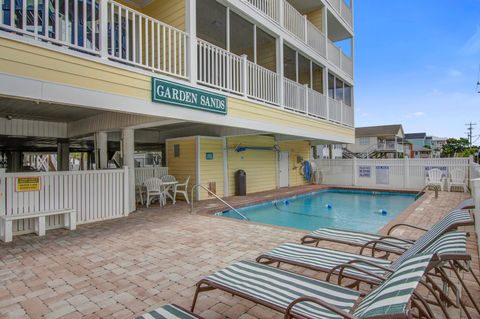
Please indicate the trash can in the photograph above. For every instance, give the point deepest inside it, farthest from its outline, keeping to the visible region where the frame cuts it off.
(240, 183)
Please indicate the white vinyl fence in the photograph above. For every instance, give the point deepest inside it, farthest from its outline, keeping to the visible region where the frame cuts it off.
(144, 173)
(406, 173)
(95, 195)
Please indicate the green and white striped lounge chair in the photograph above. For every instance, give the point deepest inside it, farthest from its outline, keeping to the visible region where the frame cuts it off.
(448, 248)
(388, 243)
(299, 296)
(169, 312)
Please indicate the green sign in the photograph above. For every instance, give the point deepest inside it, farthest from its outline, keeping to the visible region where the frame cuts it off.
(182, 95)
(209, 156)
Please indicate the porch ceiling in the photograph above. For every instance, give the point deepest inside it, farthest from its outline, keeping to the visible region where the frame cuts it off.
(336, 31)
(41, 111)
(305, 6)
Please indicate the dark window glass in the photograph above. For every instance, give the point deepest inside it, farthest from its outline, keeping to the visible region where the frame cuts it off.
(176, 150)
(290, 63)
(331, 86)
(303, 70)
(212, 22)
(317, 75)
(347, 95)
(266, 50)
(241, 36)
(338, 90)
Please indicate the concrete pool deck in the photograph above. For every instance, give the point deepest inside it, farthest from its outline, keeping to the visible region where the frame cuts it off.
(122, 268)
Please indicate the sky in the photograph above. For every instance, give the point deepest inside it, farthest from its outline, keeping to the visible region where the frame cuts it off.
(417, 64)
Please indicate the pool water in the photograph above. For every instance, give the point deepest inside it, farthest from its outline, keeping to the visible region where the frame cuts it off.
(346, 209)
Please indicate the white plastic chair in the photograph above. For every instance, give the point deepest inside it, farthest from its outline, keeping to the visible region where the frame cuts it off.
(169, 179)
(457, 178)
(155, 188)
(183, 190)
(434, 178)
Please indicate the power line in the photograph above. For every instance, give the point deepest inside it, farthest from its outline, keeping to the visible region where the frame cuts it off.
(470, 132)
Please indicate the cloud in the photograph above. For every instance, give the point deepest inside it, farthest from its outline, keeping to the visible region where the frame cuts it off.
(414, 114)
(472, 46)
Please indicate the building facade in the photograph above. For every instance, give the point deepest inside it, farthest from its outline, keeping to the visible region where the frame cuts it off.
(384, 141)
(213, 86)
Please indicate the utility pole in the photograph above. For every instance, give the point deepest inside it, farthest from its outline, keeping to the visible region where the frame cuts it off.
(470, 132)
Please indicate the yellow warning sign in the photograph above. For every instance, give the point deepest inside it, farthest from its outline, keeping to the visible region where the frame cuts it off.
(27, 184)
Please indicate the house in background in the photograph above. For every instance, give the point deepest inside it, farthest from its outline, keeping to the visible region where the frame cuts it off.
(385, 141)
(330, 151)
(437, 145)
(422, 144)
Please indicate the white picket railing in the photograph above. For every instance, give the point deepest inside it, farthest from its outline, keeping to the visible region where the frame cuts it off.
(409, 173)
(295, 96)
(346, 13)
(316, 38)
(347, 117)
(262, 84)
(94, 195)
(334, 110)
(144, 173)
(140, 40)
(220, 68)
(339, 58)
(317, 104)
(268, 7)
(70, 23)
(293, 20)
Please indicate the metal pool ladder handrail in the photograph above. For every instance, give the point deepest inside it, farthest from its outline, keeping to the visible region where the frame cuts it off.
(217, 197)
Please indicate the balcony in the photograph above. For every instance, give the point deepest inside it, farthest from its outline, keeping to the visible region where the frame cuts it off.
(228, 72)
(109, 31)
(341, 7)
(337, 57)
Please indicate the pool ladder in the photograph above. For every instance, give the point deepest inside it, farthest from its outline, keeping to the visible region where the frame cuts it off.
(217, 197)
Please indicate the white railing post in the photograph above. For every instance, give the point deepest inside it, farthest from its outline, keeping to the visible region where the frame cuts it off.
(126, 191)
(244, 75)
(305, 27)
(340, 103)
(191, 29)
(3, 197)
(104, 29)
(280, 12)
(406, 172)
(306, 98)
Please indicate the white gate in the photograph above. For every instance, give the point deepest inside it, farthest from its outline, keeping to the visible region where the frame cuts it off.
(95, 195)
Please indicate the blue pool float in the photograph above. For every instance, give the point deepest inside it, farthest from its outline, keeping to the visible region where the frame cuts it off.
(329, 206)
(383, 211)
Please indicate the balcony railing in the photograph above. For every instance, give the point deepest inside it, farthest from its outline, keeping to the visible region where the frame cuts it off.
(221, 69)
(292, 21)
(105, 28)
(118, 33)
(343, 9)
(337, 57)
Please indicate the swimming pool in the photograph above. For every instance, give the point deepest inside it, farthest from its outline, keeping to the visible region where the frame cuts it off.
(346, 209)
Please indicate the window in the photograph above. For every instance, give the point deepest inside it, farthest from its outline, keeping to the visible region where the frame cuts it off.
(317, 78)
(243, 44)
(303, 70)
(347, 95)
(331, 86)
(266, 50)
(176, 150)
(212, 22)
(290, 63)
(338, 89)
(364, 140)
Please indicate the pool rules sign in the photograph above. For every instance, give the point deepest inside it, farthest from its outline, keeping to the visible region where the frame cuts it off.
(186, 96)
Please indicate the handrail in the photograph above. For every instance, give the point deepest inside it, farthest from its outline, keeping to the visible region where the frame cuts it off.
(422, 191)
(217, 197)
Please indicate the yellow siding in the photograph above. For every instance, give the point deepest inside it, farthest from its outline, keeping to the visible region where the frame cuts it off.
(296, 149)
(211, 170)
(38, 63)
(260, 166)
(171, 12)
(316, 18)
(185, 165)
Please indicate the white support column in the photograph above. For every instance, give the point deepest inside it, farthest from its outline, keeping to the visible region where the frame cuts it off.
(225, 167)
(280, 71)
(244, 75)
(355, 171)
(128, 149)
(325, 29)
(306, 98)
(305, 26)
(281, 15)
(103, 29)
(191, 29)
(101, 145)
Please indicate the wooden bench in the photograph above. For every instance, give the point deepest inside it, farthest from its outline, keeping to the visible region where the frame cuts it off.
(6, 225)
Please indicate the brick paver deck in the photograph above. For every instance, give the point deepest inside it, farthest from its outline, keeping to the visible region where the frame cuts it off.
(122, 268)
